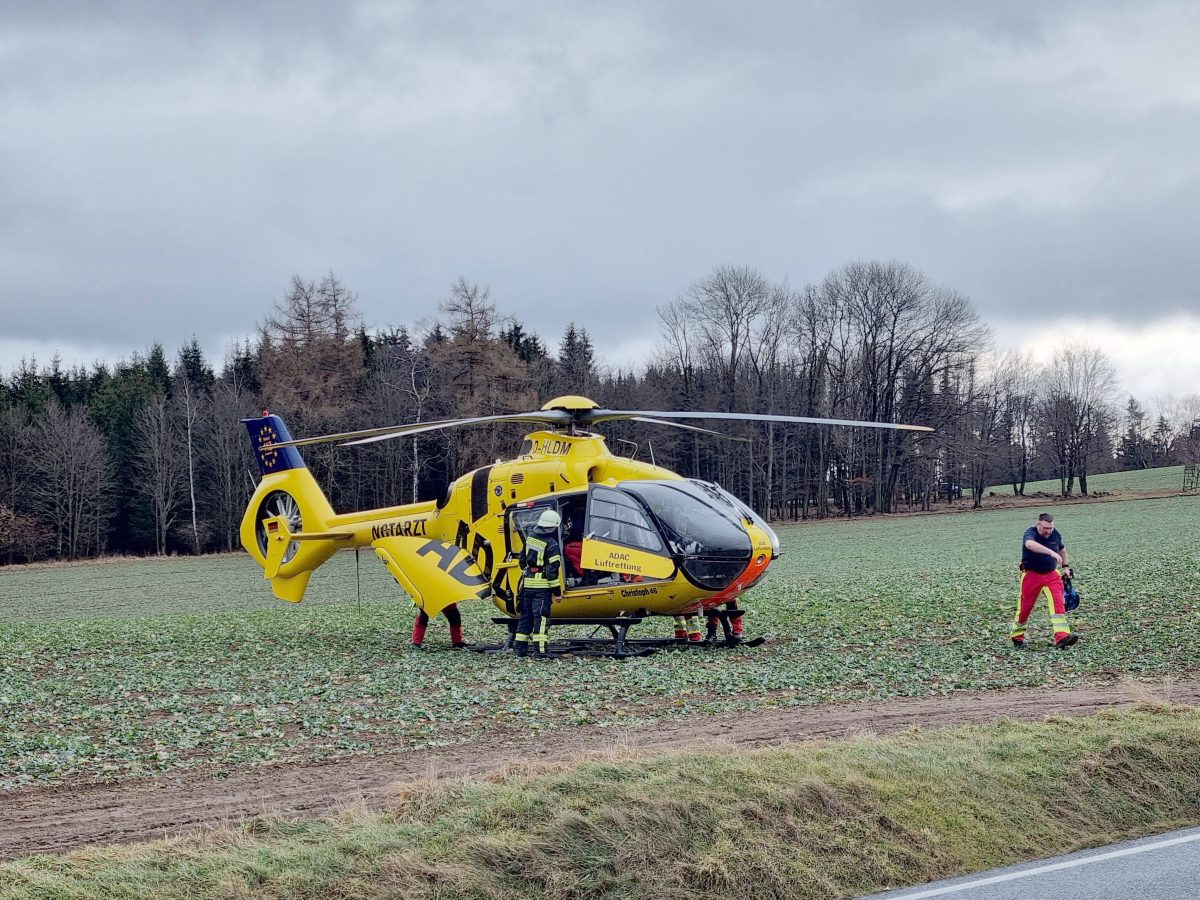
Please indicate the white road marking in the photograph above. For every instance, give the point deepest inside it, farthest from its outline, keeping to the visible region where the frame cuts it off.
(1054, 867)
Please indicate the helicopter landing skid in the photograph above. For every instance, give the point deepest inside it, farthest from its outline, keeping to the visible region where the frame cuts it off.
(725, 620)
(706, 644)
(617, 644)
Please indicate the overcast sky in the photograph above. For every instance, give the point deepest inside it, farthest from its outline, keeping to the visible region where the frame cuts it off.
(166, 168)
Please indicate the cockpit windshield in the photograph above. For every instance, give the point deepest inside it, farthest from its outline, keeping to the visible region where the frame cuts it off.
(695, 522)
(715, 490)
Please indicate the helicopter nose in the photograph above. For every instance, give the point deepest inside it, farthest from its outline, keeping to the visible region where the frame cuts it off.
(761, 555)
(757, 567)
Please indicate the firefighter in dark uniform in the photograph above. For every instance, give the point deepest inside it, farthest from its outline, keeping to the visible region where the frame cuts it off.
(541, 584)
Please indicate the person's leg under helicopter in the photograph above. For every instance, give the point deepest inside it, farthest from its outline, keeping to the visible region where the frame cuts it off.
(687, 628)
(453, 616)
(419, 626)
(735, 622)
(734, 630)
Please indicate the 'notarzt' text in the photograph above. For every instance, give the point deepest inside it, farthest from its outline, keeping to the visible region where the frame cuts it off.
(406, 528)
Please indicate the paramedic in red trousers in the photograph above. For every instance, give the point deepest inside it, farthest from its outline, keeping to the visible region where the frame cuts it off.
(1042, 552)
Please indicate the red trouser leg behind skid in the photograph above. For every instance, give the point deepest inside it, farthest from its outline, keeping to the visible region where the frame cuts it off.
(735, 622)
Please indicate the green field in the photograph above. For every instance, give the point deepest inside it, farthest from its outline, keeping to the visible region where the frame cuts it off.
(119, 668)
(1166, 478)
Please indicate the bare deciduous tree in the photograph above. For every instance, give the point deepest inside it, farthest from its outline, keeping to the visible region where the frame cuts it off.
(1018, 376)
(160, 466)
(228, 460)
(307, 353)
(1077, 410)
(192, 403)
(71, 481)
(724, 307)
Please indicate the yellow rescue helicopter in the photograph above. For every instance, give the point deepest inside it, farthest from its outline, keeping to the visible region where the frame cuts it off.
(639, 539)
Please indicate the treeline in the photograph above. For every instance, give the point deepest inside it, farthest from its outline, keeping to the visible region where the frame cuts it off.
(149, 456)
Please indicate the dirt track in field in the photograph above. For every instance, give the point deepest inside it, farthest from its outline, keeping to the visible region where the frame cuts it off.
(68, 817)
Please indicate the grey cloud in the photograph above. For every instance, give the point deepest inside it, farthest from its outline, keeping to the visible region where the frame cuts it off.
(171, 165)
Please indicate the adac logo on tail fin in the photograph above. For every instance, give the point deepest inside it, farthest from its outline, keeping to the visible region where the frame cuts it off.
(266, 431)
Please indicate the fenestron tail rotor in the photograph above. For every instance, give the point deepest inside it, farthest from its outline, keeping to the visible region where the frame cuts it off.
(573, 412)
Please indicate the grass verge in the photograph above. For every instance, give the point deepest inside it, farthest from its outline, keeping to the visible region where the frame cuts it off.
(822, 820)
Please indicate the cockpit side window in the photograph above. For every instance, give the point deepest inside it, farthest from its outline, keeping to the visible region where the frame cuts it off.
(695, 523)
(616, 517)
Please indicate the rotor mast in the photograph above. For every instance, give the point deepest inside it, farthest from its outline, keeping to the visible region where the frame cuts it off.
(573, 404)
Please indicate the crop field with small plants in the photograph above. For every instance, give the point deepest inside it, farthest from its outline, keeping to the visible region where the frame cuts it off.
(119, 668)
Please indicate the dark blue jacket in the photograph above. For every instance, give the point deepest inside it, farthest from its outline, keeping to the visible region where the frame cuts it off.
(1033, 561)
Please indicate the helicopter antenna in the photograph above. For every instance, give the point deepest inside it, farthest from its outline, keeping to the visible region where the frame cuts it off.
(635, 448)
(650, 444)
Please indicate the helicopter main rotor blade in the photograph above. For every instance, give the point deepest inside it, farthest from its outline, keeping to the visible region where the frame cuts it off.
(610, 415)
(349, 435)
(720, 434)
(566, 418)
(549, 417)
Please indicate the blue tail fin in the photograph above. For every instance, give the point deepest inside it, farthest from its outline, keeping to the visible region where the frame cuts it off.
(266, 430)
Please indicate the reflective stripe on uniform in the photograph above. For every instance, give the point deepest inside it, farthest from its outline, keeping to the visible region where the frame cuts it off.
(1059, 622)
(536, 567)
(1018, 627)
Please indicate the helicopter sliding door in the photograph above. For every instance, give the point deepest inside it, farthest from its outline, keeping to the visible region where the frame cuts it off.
(519, 522)
(620, 538)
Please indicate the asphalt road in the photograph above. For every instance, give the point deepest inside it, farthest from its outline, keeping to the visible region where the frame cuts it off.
(1163, 867)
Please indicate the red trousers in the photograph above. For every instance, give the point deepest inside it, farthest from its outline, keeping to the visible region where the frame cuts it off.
(1033, 586)
(453, 616)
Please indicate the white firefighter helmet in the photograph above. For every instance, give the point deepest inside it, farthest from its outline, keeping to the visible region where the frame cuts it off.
(549, 519)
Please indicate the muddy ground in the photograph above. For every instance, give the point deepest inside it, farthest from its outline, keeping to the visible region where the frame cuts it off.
(66, 817)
